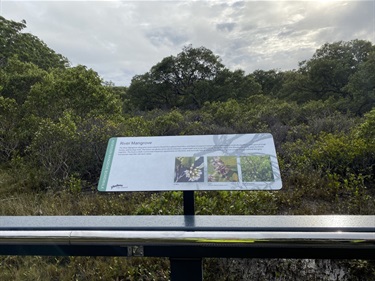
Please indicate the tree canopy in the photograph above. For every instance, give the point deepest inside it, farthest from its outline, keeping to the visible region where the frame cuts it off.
(26, 47)
(327, 73)
(188, 80)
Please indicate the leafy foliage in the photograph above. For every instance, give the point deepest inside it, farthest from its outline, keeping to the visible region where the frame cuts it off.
(27, 47)
(256, 168)
(361, 86)
(18, 77)
(8, 128)
(188, 80)
(77, 89)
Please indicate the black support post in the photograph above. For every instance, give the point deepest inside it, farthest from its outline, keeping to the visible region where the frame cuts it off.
(189, 203)
(186, 269)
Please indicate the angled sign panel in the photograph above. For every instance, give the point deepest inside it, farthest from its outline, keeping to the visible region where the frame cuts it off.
(208, 162)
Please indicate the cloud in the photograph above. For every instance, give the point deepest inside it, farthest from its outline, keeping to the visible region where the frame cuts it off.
(120, 39)
(166, 36)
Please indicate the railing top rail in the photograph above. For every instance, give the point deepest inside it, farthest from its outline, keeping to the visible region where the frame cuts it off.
(320, 223)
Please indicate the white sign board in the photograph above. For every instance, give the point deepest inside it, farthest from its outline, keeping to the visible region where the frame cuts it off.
(208, 162)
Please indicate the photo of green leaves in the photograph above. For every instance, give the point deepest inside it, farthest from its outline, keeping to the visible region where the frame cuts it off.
(256, 168)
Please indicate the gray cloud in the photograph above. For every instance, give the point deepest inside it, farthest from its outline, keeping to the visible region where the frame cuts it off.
(120, 39)
(227, 26)
(166, 36)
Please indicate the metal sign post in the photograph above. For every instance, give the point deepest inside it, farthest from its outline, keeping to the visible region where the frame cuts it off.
(187, 269)
(189, 209)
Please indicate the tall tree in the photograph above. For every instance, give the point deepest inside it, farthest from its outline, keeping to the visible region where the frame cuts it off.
(361, 86)
(270, 81)
(77, 89)
(146, 94)
(234, 85)
(17, 78)
(331, 66)
(27, 47)
(184, 80)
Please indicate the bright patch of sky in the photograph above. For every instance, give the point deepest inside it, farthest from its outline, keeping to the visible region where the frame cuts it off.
(120, 39)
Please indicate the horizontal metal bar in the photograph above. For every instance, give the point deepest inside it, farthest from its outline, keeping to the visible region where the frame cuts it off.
(35, 237)
(332, 236)
(325, 223)
(118, 238)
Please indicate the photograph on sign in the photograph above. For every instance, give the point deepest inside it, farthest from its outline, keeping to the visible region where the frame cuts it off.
(207, 162)
(222, 169)
(189, 169)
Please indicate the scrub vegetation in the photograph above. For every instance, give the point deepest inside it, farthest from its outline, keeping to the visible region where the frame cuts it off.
(55, 121)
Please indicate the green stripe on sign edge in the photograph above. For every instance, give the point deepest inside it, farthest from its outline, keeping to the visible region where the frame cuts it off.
(104, 175)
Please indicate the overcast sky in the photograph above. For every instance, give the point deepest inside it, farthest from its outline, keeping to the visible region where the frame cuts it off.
(120, 39)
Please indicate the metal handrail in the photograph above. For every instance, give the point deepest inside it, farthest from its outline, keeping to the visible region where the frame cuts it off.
(118, 238)
(332, 236)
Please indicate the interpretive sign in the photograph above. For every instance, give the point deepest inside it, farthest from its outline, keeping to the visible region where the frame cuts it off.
(208, 162)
